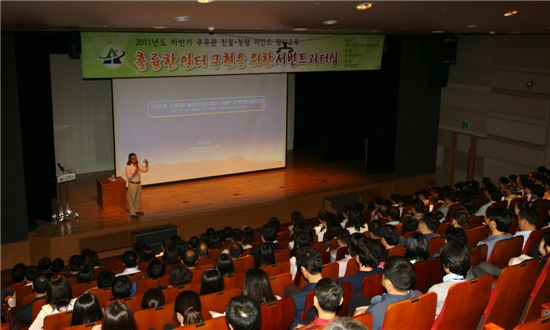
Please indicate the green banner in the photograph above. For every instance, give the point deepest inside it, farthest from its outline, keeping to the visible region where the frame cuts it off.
(121, 55)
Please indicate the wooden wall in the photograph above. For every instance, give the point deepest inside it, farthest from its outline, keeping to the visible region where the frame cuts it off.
(488, 87)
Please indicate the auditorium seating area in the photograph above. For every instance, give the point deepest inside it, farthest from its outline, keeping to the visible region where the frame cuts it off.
(516, 297)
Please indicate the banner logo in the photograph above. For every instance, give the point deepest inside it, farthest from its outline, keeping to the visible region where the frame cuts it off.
(113, 56)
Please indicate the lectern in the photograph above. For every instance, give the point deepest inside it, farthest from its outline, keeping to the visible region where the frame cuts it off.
(111, 193)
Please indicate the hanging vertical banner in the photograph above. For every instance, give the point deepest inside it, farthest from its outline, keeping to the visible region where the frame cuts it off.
(120, 55)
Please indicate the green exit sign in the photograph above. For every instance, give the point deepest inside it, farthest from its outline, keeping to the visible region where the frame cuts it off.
(465, 125)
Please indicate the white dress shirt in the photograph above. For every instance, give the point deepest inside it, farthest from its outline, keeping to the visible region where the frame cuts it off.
(442, 289)
(132, 173)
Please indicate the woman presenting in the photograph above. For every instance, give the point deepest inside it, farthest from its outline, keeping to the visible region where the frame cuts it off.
(133, 175)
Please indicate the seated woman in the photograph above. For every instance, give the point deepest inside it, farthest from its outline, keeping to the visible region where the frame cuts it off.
(117, 316)
(266, 256)
(155, 269)
(224, 263)
(417, 248)
(59, 300)
(86, 275)
(257, 287)
(187, 309)
(152, 298)
(86, 310)
(211, 281)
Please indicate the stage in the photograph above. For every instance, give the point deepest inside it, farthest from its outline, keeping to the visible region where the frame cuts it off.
(307, 184)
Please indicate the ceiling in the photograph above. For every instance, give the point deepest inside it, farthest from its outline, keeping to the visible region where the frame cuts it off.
(387, 17)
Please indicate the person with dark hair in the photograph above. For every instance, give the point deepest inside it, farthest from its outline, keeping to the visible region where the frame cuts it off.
(345, 323)
(243, 313)
(417, 210)
(190, 258)
(155, 269)
(118, 316)
(90, 258)
(497, 220)
(390, 237)
(455, 260)
(428, 225)
(398, 279)
(86, 275)
(321, 228)
(356, 222)
(179, 276)
(235, 250)
(211, 281)
(86, 310)
(122, 287)
(75, 265)
(18, 277)
(57, 266)
(147, 255)
(194, 242)
(375, 229)
(264, 256)
(409, 224)
(301, 239)
(18, 273)
(105, 279)
(152, 298)
(527, 223)
(257, 286)
(417, 248)
(448, 197)
(368, 254)
(328, 297)
(39, 287)
(59, 299)
(224, 263)
(203, 250)
(460, 218)
(493, 195)
(44, 264)
(170, 255)
(133, 176)
(129, 260)
(456, 235)
(139, 246)
(268, 236)
(275, 223)
(310, 263)
(187, 309)
(214, 241)
(343, 240)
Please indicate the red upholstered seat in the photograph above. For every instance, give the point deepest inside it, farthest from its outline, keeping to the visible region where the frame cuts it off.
(504, 250)
(233, 281)
(464, 304)
(478, 254)
(397, 251)
(155, 318)
(330, 270)
(351, 267)
(217, 301)
(539, 296)
(57, 321)
(151, 283)
(372, 286)
(510, 294)
(242, 264)
(434, 245)
(417, 313)
(365, 318)
(279, 283)
(278, 315)
(533, 242)
(197, 272)
(171, 293)
(278, 268)
(212, 324)
(475, 235)
(282, 255)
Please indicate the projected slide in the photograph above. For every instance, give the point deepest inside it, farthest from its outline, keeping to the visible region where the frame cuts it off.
(196, 127)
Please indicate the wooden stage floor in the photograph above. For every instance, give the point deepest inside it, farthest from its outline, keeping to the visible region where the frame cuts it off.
(192, 206)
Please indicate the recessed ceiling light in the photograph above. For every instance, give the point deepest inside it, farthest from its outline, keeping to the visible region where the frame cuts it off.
(471, 26)
(510, 13)
(211, 28)
(492, 32)
(182, 18)
(438, 31)
(159, 27)
(364, 6)
(299, 29)
(205, 1)
(330, 22)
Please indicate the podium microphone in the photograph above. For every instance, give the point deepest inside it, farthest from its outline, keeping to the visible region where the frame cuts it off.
(61, 167)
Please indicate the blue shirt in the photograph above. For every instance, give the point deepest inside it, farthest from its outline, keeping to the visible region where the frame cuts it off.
(300, 301)
(490, 242)
(357, 279)
(379, 304)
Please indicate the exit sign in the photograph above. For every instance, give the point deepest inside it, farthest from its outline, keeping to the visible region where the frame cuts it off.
(465, 125)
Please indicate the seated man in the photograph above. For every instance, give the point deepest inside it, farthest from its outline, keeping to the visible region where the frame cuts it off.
(494, 195)
(75, 265)
(498, 220)
(309, 262)
(343, 239)
(129, 260)
(39, 286)
(367, 254)
(243, 313)
(398, 279)
(190, 258)
(428, 225)
(328, 297)
(455, 260)
(527, 222)
(268, 236)
(122, 287)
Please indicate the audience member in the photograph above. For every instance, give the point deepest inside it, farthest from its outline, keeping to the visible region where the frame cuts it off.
(86, 275)
(428, 225)
(105, 279)
(328, 298)
(417, 248)
(122, 287)
(187, 309)
(179, 276)
(243, 313)
(211, 281)
(456, 235)
(129, 260)
(59, 299)
(155, 269)
(39, 287)
(345, 323)
(257, 286)
(118, 316)
(86, 310)
(498, 220)
(190, 258)
(224, 263)
(367, 254)
(527, 222)
(152, 298)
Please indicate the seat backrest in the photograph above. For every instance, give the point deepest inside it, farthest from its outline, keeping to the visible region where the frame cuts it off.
(442, 228)
(451, 211)
(88, 326)
(542, 323)
(410, 233)
(422, 282)
(504, 250)
(80, 288)
(171, 293)
(347, 292)
(133, 302)
(212, 324)
(417, 313)
(476, 221)
(435, 244)
(365, 318)
(283, 235)
(155, 318)
(242, 264)
(276, 269)
(351, 267)
(282, 255)
(58, 321)
(475, 235)
(341, 253)
(330, 270)
(218, 301)
(102, 295)
(279, 283)
(478, 254)
(151, 283)
(205, 261)
(435, 272)
(397, 251)
(510, 294)
(37, 306)
(539, 295)
(308, 304)
(278, 315)
(197, 272)
(464, 304)
(235, 280)
(372, 286)
(533, 242)
(20, 292)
